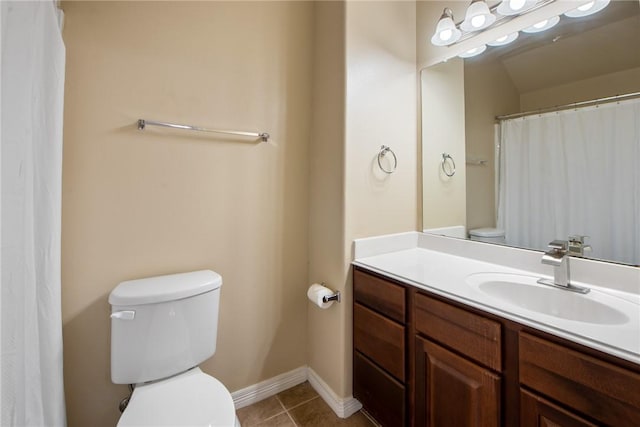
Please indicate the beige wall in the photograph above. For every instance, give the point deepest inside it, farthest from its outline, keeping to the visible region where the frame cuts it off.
(270, 217)
(326, 353)
(441, 114)
(489, 92)
(381, 108)
(443, 131)
(138, 204)
(364, 97)
(618, 83)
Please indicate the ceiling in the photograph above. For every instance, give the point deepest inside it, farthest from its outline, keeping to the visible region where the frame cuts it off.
(575, 49)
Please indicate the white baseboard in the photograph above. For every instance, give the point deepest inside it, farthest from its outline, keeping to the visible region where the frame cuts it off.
(343, 408)
(257, 392)
(267, 388)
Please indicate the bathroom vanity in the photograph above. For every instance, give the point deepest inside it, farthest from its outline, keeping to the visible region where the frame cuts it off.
(431, 349)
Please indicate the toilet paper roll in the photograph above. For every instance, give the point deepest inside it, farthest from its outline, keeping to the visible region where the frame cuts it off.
(315, 294)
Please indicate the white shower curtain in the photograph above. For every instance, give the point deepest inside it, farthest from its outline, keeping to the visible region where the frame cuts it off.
(33, 60)
(573, 172)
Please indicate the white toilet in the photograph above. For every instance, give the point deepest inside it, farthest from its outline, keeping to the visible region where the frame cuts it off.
(162, 328)
(489, 235)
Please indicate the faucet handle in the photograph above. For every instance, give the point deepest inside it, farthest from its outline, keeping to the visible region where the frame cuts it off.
(559, 245)
(577, 238)
(577, 246)
(556, 253)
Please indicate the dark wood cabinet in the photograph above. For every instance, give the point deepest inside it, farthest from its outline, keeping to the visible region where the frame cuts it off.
(381, 295)
(536, 411)
(591, 386)
(380, 348)
(453, 391)
(424, 360)
(458, 360)
(382, 396)
(477, 337)
(381, 339)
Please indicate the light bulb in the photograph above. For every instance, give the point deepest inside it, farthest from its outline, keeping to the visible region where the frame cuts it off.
(445, 35)
(586, 7)
(541, 24)
(501, 41)
(515, 7)
(446, 32)
(478, 21)
(516, 4)
(478, 17)
(473, 52)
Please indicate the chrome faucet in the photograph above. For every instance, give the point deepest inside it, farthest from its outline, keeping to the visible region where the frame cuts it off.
(558, 257)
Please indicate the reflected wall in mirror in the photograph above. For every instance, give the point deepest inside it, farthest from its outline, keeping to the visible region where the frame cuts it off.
(551, 174)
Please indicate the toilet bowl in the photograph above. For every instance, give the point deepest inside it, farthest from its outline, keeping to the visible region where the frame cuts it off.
(162, 328)
(192, 398)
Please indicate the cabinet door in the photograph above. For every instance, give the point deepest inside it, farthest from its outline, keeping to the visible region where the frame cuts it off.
(538, 412)
(452, 391)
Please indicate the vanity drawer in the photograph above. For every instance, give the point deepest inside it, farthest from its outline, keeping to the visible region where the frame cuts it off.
(536, 412)
(601, 390)
(470, 334)
(380, 339)
(380, 394)
(380, 295)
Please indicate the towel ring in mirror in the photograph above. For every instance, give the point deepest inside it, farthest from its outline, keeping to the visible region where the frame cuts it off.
(383, 152)
(447, 159)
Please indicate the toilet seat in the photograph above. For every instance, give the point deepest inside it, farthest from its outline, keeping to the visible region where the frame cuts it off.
(192, 398)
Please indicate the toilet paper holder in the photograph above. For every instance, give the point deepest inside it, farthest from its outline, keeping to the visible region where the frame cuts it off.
(334, 297)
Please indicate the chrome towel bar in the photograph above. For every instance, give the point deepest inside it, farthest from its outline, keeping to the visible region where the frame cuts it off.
(142, 124)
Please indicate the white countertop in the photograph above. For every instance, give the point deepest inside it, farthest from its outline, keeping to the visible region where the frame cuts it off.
(445, 274)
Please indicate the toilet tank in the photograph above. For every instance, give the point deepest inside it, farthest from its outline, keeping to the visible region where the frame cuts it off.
(164, 325)
(490, 235)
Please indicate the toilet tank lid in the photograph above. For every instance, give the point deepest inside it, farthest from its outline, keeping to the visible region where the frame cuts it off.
(487, 232)
(152, 290)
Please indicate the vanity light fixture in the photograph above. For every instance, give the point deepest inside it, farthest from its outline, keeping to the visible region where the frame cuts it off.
(504, 40)
(446, 31)
(473, 52)
(542, 25)
(587, 9)
(478, 17)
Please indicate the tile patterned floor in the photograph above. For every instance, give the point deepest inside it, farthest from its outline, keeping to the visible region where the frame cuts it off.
(299, 406)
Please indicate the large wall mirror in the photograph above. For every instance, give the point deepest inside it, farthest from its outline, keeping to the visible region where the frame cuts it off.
(534, 156)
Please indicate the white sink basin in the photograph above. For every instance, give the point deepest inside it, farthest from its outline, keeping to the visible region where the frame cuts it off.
(523, 292)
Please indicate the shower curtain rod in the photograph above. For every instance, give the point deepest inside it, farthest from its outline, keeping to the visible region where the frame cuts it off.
(570, 106)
